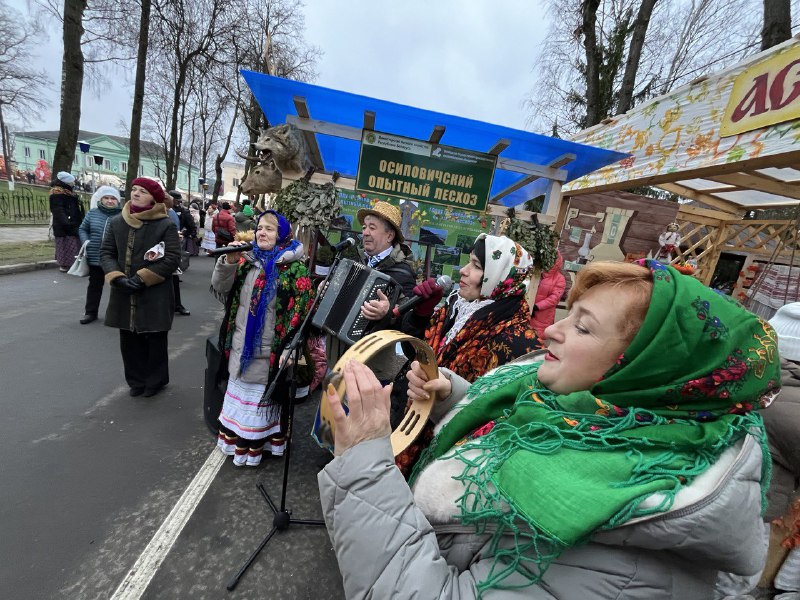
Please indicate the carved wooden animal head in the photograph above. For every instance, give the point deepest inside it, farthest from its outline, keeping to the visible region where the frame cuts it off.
(286, 145)
(262, 179)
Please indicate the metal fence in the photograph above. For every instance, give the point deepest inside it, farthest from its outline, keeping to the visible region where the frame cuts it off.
(24, 206)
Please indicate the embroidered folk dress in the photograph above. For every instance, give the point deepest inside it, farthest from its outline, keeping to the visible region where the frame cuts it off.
(241, 412)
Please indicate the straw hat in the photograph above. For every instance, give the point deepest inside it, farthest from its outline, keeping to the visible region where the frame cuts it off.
(786, 324)
(387, 212)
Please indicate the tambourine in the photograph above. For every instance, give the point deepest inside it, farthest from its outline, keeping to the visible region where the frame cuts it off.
(385, 352)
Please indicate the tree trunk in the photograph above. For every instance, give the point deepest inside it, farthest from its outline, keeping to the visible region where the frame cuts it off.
(173, 150)
(221, 156)
(71, 86)
(777, 23)
(138, 97)
(593, 60)
(6, 149)
(634, 55)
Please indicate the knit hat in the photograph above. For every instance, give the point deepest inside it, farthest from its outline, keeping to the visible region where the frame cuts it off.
(786, 324)
(65, 177)
(152, 186)
(103, 190)
(387, 212)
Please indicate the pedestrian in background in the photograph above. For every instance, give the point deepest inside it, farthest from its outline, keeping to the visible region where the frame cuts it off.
(105, 204)
(782, 421)
(244, 217)
(209, 242)
(67, 217)
(186, 231)
(140, 252)
(224, 226)
(548, 295)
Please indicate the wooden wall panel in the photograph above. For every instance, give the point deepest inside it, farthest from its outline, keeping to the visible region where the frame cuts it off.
(640, 236)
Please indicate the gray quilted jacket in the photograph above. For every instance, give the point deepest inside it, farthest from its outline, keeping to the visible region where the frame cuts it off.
(392, 543)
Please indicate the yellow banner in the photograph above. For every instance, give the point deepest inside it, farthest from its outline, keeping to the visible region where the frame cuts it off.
(765, 94)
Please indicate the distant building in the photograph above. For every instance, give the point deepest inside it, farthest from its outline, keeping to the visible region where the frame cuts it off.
(33, 151)
(232, 175)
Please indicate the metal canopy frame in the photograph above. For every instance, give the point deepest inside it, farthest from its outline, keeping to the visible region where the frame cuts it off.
(343, 117)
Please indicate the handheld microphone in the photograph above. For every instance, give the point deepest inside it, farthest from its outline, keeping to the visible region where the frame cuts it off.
(229, 249)
(443, 281)
(344, 244)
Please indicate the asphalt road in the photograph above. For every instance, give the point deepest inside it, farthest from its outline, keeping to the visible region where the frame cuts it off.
(89, 474)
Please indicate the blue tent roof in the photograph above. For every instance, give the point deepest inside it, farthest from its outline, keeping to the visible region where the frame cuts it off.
(276, 96)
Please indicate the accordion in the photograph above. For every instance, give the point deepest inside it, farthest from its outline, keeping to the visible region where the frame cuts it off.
(339, 309)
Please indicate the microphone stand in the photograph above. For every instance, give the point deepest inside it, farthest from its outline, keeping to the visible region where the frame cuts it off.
(282, 517)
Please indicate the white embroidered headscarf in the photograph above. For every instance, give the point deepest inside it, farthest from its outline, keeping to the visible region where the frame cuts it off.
(502, 254)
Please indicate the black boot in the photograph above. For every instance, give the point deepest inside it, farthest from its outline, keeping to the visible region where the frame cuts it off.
(88, 318)
(182, 310)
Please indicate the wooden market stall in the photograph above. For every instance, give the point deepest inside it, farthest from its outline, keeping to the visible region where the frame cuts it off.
(729, 144)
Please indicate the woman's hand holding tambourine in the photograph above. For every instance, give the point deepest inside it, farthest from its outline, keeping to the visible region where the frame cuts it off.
(368, 403)
(419, 387)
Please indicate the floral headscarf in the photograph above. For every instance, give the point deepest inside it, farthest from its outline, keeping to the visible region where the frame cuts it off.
(687, 388)
(502, 255)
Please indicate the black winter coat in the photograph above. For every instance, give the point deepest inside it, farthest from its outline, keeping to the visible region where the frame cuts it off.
(122, 254)
(67, 211)
(188, 227)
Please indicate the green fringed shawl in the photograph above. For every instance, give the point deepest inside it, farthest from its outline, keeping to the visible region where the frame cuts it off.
(553, 469)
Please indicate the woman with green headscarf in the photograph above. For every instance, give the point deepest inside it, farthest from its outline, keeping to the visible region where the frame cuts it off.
(625, 464)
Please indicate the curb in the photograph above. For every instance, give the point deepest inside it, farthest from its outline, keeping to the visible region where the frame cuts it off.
(25, 267)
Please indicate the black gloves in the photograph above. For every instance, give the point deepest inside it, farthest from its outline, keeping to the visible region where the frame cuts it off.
(128, 285)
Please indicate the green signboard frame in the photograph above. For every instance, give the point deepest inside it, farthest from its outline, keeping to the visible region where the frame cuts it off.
(402, 167)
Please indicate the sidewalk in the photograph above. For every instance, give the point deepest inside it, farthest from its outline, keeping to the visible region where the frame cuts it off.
(24, 234)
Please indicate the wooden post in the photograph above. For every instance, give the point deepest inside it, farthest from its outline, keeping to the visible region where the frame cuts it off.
(552, 198)
(715, 253)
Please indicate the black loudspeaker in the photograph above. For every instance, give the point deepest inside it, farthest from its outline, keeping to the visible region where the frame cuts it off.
(216, 381)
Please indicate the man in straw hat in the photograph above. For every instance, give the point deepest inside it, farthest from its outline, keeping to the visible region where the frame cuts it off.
(384, 251)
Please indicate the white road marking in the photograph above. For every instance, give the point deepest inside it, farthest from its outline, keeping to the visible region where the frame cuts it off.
(138, 578)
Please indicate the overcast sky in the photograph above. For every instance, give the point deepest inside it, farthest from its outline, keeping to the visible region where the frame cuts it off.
(471, 59)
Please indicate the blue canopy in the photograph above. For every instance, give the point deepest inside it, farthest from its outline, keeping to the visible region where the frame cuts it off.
(276, 97)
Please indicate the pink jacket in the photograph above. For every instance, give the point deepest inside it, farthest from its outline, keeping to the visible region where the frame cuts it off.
(551, 288)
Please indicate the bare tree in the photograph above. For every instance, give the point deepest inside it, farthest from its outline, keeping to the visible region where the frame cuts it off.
(71, 86)
(134, 147)
(679, 41)
(272, 41)
(19, 87)
(187, 32)
(777, 23)
(634, 55)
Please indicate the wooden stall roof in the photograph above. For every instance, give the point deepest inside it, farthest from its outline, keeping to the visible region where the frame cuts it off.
(675, 144)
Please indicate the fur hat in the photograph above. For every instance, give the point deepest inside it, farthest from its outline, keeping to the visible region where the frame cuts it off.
(388, 212)
(786, 324)
(152, 186)
(65, 177)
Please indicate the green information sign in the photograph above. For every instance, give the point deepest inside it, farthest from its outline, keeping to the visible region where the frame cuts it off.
(450, 232)
(406, 168)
